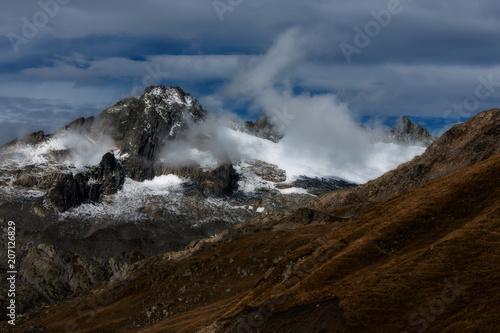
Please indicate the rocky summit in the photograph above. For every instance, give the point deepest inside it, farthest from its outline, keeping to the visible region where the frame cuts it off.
(408, 132)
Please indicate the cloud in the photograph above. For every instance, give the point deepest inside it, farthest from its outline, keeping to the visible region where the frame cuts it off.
(427, 59)
(206, 144)
(164, 67)
(84, 151)
(321, 137)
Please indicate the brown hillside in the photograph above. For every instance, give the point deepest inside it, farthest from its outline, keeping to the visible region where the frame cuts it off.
(463, 145)
(388, 270)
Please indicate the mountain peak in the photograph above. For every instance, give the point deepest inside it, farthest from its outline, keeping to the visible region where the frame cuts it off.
(405, 124)
(144, 125)
(408, 132)
(169, 95)
(405, 120)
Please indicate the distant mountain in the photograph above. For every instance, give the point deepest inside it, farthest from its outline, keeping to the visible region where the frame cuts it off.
(407, 132)
(463, 145)
(414, 250)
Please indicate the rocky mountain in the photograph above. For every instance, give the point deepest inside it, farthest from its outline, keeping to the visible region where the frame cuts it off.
(146, 176)
(143, 126)
(104, 192)
(414, 250)
(407, 132)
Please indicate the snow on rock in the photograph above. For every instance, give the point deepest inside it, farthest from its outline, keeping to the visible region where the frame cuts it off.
(171, 95)
(131, 198)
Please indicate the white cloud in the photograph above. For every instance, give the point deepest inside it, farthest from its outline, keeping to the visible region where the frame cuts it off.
(321, 138)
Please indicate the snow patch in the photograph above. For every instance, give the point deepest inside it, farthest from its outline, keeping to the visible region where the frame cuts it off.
(161, 183)
(291, 190)
(131, 198)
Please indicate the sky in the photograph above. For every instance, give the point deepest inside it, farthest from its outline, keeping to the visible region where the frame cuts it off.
(435, 62)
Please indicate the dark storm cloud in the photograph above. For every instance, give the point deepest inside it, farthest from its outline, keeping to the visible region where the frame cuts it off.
(424, 59)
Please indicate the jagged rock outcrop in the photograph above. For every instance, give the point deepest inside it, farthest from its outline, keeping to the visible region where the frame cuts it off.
(109, 173)
(30, 139)
(71, 191)
(267, 171)
(222, 181)
(407, 132)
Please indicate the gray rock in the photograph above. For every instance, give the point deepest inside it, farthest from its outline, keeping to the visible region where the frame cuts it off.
(71, 191)
(264, 128)
(407, 132)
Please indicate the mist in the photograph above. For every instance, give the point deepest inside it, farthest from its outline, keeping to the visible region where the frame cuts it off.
(77, 150)
(205, 144)
(85, 150)
(321, 138)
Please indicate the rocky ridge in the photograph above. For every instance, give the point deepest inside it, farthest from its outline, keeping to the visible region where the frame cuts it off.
(463, 145)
